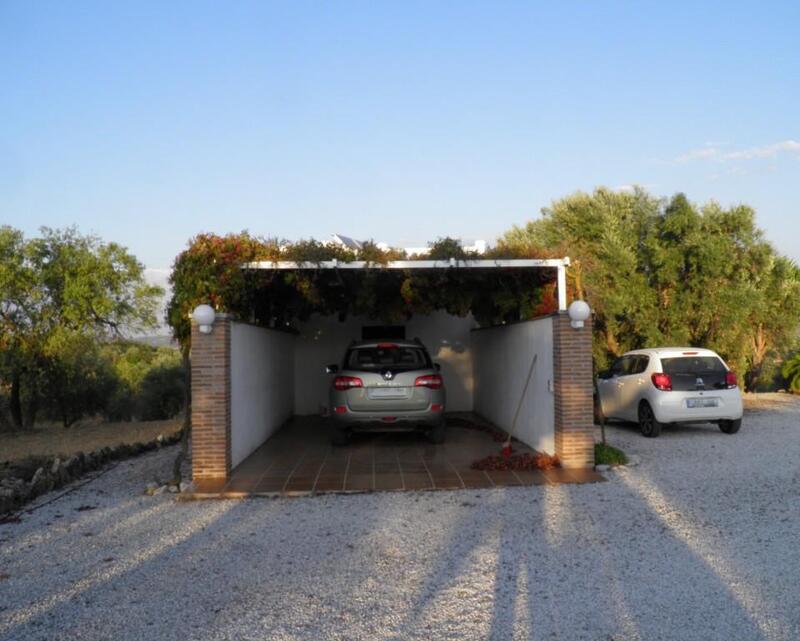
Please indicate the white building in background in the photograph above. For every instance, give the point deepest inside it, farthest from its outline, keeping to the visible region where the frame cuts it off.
(477, 247)
(346, 242)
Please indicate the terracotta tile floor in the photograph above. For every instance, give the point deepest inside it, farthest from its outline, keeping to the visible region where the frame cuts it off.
(299, 460)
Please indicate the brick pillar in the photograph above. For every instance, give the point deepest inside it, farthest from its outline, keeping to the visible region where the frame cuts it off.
(211, 400)
(573, 386)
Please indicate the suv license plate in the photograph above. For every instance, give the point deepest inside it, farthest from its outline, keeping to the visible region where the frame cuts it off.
(386, 392)
(702, 402)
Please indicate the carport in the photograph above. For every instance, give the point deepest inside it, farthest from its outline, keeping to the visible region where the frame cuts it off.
(254, 385)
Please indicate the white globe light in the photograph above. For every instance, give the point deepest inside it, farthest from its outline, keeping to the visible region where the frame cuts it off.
(204, 316)
(579, 312)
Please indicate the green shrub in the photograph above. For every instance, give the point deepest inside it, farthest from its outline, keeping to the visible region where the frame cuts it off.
(161, 394)
(77, 383)
(121, 405)
(133, 361)
(150, 382)
(791, 373)
(607, 455)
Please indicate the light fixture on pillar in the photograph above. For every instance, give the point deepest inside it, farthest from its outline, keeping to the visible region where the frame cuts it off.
(204, 316)
(578, 313)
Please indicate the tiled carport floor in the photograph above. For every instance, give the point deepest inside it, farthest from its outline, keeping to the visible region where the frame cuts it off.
(299, 460)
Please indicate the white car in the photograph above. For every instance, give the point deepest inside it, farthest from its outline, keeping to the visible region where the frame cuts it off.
(655, 387)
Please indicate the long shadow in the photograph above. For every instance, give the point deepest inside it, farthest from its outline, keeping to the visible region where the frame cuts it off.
(693, 430)
(215, 553)
(694, 527)
(290, 569)
(352, 593)
(652, 596)
(57, 605)
(69, 517)
(542, 546)
(512, 561)
(450, 561)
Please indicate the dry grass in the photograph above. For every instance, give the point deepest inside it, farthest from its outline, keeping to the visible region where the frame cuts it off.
(770, 401)
(53, 439)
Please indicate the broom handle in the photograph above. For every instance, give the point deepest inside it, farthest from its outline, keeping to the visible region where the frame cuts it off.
(522, 398)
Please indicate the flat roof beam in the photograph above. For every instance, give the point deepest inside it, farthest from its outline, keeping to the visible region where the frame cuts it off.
(413, 264)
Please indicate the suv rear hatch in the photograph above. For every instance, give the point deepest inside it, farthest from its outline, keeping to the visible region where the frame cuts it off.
(389, 374)
(695, 373)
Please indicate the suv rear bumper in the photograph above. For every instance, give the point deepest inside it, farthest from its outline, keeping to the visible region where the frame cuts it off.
(390, 420)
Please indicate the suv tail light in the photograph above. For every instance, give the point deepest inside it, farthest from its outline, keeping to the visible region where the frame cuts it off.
(344, 383)
(730, 380)
(432, 381)
(662, 381)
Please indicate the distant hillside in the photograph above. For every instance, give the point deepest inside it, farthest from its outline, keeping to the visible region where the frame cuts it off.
(156, 341)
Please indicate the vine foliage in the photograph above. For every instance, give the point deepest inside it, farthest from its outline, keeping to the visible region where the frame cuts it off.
(211, 270)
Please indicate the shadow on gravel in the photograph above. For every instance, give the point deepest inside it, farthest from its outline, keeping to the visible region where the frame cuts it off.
(633, 564)
(106, 577)
(691, 430)
(563, 571)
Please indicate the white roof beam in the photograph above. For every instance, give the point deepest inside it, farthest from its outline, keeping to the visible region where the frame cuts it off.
(414, 264)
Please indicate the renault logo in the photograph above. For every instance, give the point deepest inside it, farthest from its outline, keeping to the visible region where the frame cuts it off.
(388, 375)
(699, 382)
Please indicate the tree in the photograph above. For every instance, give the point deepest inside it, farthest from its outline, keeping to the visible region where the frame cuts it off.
(132, 364)
(602, 233)
(772, 325)
(791, 372)
(57, 290)
(79, 381)
(18, 302)
(660, 272)
(161, 394)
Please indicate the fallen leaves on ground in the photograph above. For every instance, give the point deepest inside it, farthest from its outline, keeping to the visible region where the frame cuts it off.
(517, 462)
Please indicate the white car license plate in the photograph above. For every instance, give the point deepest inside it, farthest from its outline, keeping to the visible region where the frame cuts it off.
(702, 402)
(387, 392)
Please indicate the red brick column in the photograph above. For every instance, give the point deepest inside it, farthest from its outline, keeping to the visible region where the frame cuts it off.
(573, 386)
(211, 400)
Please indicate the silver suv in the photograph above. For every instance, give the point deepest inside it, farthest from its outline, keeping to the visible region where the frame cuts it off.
(387, 385)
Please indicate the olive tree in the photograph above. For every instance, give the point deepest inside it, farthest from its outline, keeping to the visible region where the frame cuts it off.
(58, 290)
(669, 272)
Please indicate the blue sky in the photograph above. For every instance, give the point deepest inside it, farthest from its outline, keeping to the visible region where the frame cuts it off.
(147, 123)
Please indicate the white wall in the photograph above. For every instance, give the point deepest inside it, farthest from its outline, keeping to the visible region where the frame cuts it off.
(502, 358)
(262, 386)
(324, 339)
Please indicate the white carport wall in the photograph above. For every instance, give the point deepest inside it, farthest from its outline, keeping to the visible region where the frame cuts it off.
(242, 392)
(262, 386)
(502, 359)
(247, 380)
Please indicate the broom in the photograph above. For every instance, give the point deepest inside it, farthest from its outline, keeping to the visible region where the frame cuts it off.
(507, 449)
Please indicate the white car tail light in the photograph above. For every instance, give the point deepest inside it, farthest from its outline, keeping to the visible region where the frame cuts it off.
(662, 381)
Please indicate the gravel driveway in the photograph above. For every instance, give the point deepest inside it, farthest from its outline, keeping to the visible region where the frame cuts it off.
(701, 541)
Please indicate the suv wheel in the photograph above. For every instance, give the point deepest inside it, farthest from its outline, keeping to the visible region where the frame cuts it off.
(648, 424)
(340, 436)
(730, 427)
(436, 433)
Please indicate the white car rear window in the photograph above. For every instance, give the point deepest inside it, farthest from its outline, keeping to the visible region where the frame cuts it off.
(694, 365)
